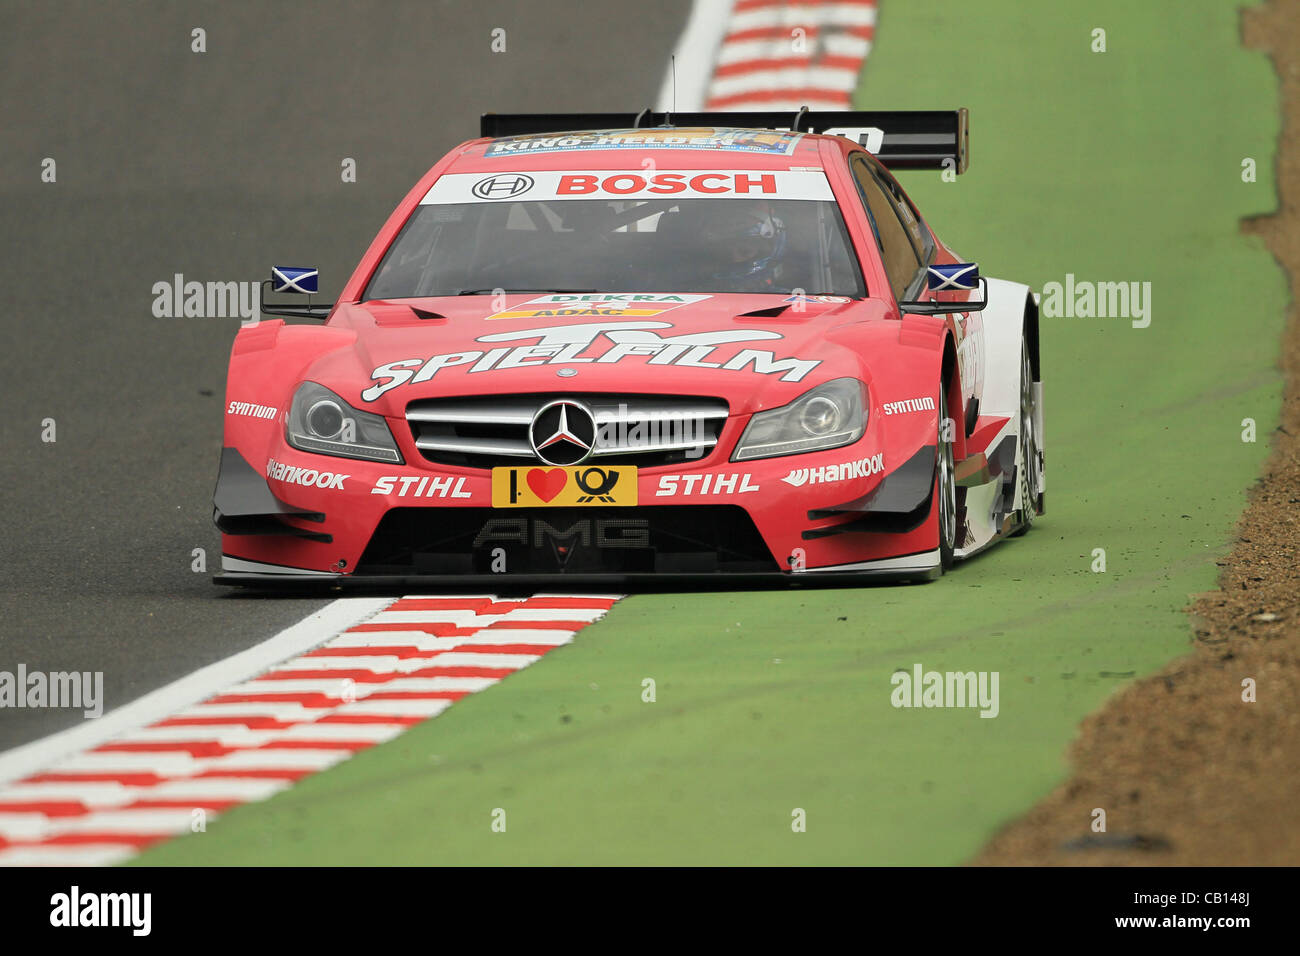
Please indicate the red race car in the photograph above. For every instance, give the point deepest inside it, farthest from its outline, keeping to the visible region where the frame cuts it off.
(618, 347)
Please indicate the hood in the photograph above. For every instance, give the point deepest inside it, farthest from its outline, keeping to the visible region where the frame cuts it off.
(755, 351)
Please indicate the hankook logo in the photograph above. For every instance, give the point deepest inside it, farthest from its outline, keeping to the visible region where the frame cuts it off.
(502, 186)
(563, 432)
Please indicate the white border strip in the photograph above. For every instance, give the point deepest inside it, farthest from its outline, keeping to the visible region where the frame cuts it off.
(912, 562)
(696, 52)
(328, 622)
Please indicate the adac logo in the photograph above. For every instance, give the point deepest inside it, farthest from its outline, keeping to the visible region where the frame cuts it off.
(502, 186)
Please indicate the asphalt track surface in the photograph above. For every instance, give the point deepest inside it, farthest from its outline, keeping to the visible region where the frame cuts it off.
(214, 165)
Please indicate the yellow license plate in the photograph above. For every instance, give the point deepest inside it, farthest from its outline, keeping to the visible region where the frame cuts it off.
(542, 486)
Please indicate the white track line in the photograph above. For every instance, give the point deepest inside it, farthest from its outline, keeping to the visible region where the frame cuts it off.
(335, 617)
(696, 51)
(251, 726)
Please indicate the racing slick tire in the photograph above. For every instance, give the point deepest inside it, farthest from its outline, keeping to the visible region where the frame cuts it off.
(1026, 448)
(946, 485)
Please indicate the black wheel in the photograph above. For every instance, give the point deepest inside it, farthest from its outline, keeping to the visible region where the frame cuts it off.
(946, 489)
(1027, 457)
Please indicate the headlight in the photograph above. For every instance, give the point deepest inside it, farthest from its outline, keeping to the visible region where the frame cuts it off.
(321, 422)
(828, 416)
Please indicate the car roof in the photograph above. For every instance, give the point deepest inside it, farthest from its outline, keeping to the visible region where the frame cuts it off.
(669, 146)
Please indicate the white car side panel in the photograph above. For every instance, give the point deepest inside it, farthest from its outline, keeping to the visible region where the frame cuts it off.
(1004, 326)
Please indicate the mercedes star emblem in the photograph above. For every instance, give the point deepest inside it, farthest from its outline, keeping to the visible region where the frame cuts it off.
(563, 432)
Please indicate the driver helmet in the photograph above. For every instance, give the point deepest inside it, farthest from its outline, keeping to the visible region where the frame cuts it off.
(742, 241)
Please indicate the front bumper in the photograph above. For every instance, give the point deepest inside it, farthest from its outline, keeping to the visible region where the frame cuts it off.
(851, 513)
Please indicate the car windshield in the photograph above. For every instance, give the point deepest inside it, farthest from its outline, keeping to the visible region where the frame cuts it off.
(611, 245)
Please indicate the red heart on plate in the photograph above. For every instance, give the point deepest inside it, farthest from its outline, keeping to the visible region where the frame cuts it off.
(547, 483)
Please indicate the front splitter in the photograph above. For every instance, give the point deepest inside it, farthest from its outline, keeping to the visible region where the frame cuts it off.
(496, 583)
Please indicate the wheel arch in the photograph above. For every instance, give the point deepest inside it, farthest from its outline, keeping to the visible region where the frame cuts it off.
(950, 381)
(1031, 336)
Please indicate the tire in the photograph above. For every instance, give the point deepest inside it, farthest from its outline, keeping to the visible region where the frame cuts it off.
(1027, 448)
(946, 486)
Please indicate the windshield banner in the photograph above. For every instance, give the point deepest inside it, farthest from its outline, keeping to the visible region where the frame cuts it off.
(771, 142)
(548, 185)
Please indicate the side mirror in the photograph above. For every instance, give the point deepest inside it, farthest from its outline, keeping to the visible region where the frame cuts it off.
(957, 277)
(295, 280)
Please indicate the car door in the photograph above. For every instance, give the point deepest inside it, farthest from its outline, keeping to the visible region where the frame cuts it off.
(902, 260)
(908, 248)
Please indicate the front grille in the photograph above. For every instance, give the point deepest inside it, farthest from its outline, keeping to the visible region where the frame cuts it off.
(662, 539)
(489, 431)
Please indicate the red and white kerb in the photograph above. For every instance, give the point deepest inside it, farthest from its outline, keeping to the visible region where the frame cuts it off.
(406, 663)
(784, 54)
(740, 55)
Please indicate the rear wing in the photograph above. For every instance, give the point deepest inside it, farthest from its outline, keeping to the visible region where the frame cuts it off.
(901, 139)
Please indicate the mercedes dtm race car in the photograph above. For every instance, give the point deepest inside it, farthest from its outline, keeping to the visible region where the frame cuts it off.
(612, 346)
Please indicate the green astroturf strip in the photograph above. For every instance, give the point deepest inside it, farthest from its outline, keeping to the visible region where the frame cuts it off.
(1116, 166)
